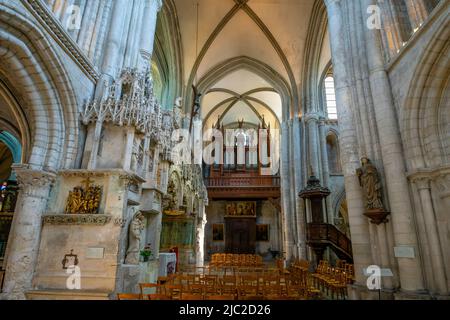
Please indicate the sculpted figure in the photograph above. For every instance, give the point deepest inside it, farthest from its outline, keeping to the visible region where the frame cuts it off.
(134, 238)
(371, 184)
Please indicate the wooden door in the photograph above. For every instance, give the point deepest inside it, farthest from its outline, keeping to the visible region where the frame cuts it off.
(240, 235)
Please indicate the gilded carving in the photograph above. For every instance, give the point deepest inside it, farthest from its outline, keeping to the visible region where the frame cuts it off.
(84, 200)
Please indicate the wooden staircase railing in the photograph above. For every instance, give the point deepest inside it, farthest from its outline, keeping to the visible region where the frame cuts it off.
(322, 235)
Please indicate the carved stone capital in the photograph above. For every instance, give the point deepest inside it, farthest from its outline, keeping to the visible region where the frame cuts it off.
(440, 176)
(311, 116)
(34, 183)
(443, 185)
(422, 183)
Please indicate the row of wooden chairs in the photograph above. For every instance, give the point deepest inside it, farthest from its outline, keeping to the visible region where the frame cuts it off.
(229, 259)
(261, 286)
(253, 283)
(333, 280)
(299, 273)
(193, 297)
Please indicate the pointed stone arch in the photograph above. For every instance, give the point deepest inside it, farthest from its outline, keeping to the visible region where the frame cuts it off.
(255, 66)
(246, 98)
(32, 73)
(426, 142)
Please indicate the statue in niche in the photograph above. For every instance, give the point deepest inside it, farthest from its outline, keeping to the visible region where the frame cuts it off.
(134, 238)
(370, 182)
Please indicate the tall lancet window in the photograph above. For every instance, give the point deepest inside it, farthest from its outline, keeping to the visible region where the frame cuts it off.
(330, 97)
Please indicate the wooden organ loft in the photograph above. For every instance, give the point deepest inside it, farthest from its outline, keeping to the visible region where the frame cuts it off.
(242, 171)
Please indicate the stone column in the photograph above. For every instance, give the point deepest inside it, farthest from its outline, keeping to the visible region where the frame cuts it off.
(92, 164)
(384, 254)
(133, 41)
(292, 182)
(113, 42)
(23, 243)
(411, 275)
(417, 12)
(285, 193)
(83, 34)
(297, 142)
(200, 235)
(312, 120)
(129, 148)
(146, 163)
(325, 167)
(348, 142)
(148, 31)
(391, 33)
(437, 261)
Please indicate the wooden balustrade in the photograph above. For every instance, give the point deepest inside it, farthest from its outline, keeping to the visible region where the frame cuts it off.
(255, 181)
(243, 186)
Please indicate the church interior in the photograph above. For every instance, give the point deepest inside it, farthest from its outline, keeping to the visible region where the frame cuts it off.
(224, 150)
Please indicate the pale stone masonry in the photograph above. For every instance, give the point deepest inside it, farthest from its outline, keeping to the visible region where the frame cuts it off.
(86, 89)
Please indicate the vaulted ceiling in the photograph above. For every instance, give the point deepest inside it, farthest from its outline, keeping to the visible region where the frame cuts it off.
(271, 34)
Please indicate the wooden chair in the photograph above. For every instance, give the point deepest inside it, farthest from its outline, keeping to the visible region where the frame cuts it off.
(249, 280)
(195, 289)
(248, 293)
(269, 280)
(272, 291)
(162, 280)
(228, 297)
(209, 279)
(158, 297)
(296, 292)
(191, 297)
(128, 296)
(174, 291)
(228, 285)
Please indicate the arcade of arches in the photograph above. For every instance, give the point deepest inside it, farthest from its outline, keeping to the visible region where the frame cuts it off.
(134, 134)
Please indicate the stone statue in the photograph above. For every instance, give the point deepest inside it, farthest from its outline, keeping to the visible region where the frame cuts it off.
(134, 238)
(371, 184)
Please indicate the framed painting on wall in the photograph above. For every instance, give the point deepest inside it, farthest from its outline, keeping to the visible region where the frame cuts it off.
(262, 232)
(218, 232)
